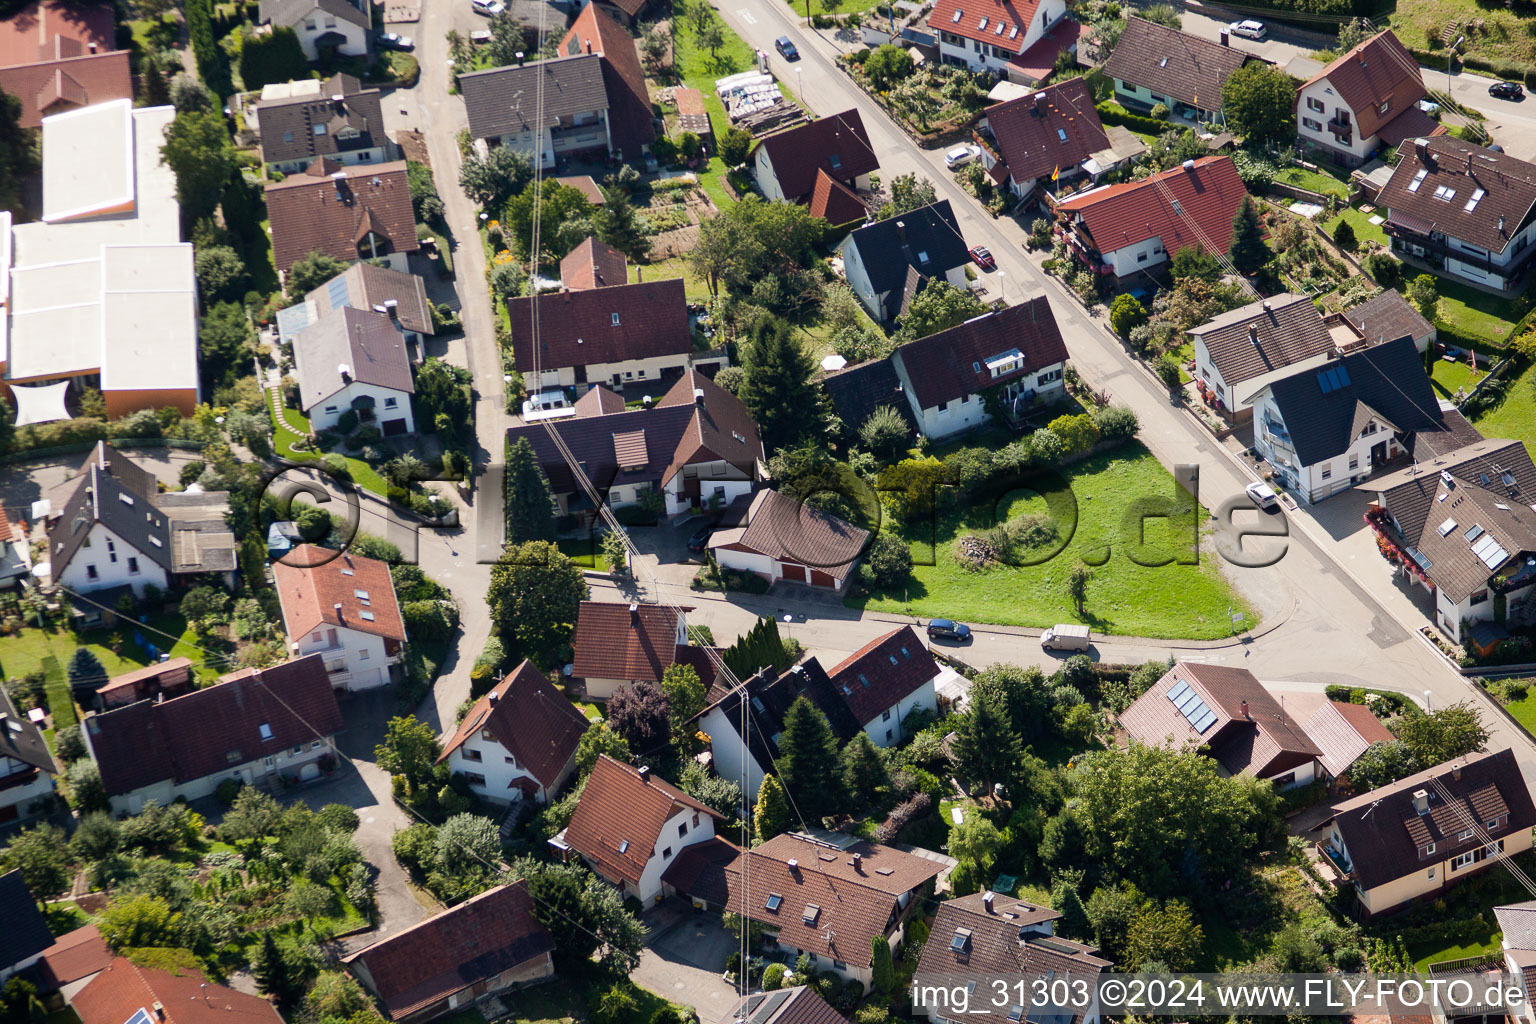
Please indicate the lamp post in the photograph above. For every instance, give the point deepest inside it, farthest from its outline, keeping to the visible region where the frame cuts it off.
(1450, 58)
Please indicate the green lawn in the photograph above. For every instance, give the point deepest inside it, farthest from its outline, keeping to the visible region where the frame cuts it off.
(1365, 231)
(1515, 417)
(1185, 601)
(289, 425)
(34, 649)
(1317, 181)
(568, 999)
(1447, 377)
(831, 6)
(1524, 712)
(694, 287)
(698, 69)
(1486, 317)
(585, 552)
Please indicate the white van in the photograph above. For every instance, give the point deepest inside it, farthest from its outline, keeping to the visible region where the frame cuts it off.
(1065, 637)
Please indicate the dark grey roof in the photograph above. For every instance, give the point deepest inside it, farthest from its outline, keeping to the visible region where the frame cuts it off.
(368, 344)
(771, 695)
(116, 492)
(25, 934)
(953, 363)
(927, 240)
(291, 12)
(798, 1005)
(289, 126)
(860, 389)
(502, 101)
(1387, 380)
(1265, 336)
(1388, 316)
(1468, 192)
(22, 740)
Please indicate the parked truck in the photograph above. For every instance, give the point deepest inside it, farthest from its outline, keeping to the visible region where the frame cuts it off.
(1066, 637)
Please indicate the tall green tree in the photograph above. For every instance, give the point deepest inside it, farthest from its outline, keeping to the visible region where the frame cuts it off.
(272, 973)
(410, 749)
(273, 56)
(41, 854)
(530, 503)
(808, 761)
(85, 670)
(986, 747)
(534, 596)
(1257, 100)
(938, 307)
(595, 742)
(685, 698)
(771, 816)
(226, 345)
(618, 225)
(584, 915)
(1441, 735)
(908, 192)
(1248, 251)
(197, 149)
(883, 968)
(490, 181)
(18, 153)
(778, 390)
(864, 774)
(1167, 934)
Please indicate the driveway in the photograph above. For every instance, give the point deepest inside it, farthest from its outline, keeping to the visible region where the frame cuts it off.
(684, 958)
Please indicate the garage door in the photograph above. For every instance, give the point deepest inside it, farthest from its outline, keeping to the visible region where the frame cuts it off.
(823, 579)
(792, 572)
(393, 428)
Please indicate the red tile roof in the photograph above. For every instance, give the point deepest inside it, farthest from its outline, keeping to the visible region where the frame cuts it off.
(610, 642)
(834, 202)
(1054, 129)
(531, 719)
(1039, 61)
(77, 954)
(577, 328)
(883, 868)
(837, 144)
(318, 579)
(1379, 70)
(594, 264)
(587, 186)
(473, 942)
(620, 816)
(307, 216)
(54, 29)
(980, 20)
(54, 86)
(883, 673)
(1130, 213)
(121, 990)
(1343, 732)
(630, 120)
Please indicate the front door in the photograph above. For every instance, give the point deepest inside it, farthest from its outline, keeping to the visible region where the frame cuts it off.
(1378, 454)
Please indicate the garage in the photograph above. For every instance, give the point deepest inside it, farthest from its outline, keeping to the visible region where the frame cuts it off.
(393, 428)
(792, 572)
(823, 579)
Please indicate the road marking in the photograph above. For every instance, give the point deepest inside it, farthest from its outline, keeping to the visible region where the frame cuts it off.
(746, 16)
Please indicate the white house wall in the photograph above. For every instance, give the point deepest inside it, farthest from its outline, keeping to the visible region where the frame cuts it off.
(354, 661)
(1141, 256)
(668, 845)
(109, 573)
(253, 773)
(351, 158)
(1324, 93)
(732, 759)
(885, 729)
(499, 769)
(324, 413)
(980, 56)
(317, 23)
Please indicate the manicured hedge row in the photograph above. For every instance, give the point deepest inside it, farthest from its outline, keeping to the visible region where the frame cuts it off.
(1111, 114)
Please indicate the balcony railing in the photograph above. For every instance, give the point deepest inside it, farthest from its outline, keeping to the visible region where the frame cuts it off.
(1403, 237)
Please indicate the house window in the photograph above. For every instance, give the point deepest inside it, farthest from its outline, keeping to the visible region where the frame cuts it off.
(133, 566)
(269, 763)
(315, 745)
(666, 854)
(887, 735)
(1479, 597)
(695, 819)
(885, 716)
(682, 830)
(838, 965)
(330, 408)
(390, 403)
(1425, 851)
(1312, 125)
(296, 751)
(1354, 462)
(1431, 874)
(1327, 472)
(1493, 823)
(615, 319)
(474, 778)
(316, 636)
(362, 655)
(1313, 103)
(1457, 863)
(1464, 835)
(1141, 257)
(472, 754)
(510, 760)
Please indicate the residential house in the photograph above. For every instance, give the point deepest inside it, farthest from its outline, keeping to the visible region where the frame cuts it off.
(342, 607)
(593, 264)
(888, 262)
(326, 28)
(888, 679)
(1047, 136)
(455, 960)
(619, 335)
(26, 936)
(576, 122)
(1464, 210)
(124, 991)
(616, 643)
(357, 361)
(786, 164)
(1420, 835)
(631, 123)
(626, 12)
(157, 681)
(1154, 64)
(70, 963)
(27, 769)
(1389, 316)
(778, 538)
(629, 825)
(337, 118)
(116, 530)
(1238, 350)
(1121, 230)
(1006, 38)
(1460, 525)
(107, 251)
(828, 896)
(837, 204)
(518, 740)
(1325, 428)
(798, 1004)
(1366, 99)
(1011, 361)
(57, 56)
(587, 186)
(15, 552)
(856, 391)
(1229, 713)
(1342, 732)
(402, 297)
(348, 213)
(254, 726)
(697, 447)
(989, 934)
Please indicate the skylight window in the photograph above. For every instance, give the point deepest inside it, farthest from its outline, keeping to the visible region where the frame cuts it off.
(922, 257)
(905, 653)
(1476, 198)
(1000, 27)
(774, 901)
(961, 940)
(361, 595)
(1015, 1012)
(1332, 379)
(1163, 63)
(1445, 193)
(367, 616)
(624, 846)
(847, 692)
(1013, 33)
(265, 730)
(1061, 133)
(836, 161)
(1418, 179)
(1473, 532)
(1446, 527)
(956, 19)
(126, 499)
(983, 26)
(1177, 207)
(863, 680)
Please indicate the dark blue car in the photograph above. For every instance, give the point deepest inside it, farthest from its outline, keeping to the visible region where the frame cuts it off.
(948, 629)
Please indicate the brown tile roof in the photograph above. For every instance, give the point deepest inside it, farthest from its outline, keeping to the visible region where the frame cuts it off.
(456, 949)
(883, 868)
(587, 186)
(619, 818)
(1379, 70)
(857, 391)
(1054, 129)
(699, 870)
(981, 19)
(782, 528)
(1383, 833)
(720, 428)
(121, 990)
(1039, 61)
(602, 325)
(531, 719)
(1342, 732)
(953, 363)
(55, 29)
(1264, 336)
(594, 264)
(1173, 63)
(501, 101)
(310, 212)
(370, 345)
(212, 730)
(837, 144)
(599, 401)
(834, 202)
(1130, 213)
(1454, 173)
(365, 286)
(318, 579)
(1412, 123)
(77, 954)
(288, 125)
(54, 86)
(631, 123)
(611, 642)
(1388, 316)
(797, 1005)
(146, 682)
(883, 672)
(1263, 742)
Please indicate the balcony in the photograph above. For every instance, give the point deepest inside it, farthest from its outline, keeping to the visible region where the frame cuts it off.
(1405, 240)
(1341, 128)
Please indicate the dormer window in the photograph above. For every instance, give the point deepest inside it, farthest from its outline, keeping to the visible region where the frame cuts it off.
(809, 915)
(1425, 851)
(1015, 1012)
(962, 940)
(1385, 104)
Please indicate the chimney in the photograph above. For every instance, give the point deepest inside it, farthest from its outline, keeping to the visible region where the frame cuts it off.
(698, 397)
(1421, 801)
(589, 46)
(986, 900)
(792, 864)
(1253, 333)
(1242, 709)
(634, 616)
(392, 307)
(1265, 305)
(1225, 39)
(645, 774)
(159, 1010)
(1501, 223)
(344, 371)
(494, 696)
(901, 231)
(93, 47)
(858, 859)
(1189, 165)
(337, 609)
(1421, 151)
(1456, 772)
(1039, 104)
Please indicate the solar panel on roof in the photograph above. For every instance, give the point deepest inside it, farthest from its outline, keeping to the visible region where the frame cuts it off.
(1490, 551)
(336, 291)
(1205, 721)
(1189, 704)
(1473, 532)
(1179, 690)
(140, 1016)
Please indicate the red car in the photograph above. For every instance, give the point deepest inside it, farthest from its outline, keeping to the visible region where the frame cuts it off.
(982, 257)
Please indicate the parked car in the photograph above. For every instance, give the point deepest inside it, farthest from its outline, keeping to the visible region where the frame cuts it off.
(949, 629)
(1506, 91)
(698, 544)
(395, 41)
(786, 48)
(480, 36)
(1429, 107)
(1248, 29)
(1066, 637)
(961, 155)
(489, 8)
(1262, 494)
(982, 257)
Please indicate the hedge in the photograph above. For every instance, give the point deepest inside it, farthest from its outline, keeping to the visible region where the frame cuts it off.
(1503, 69)
(1113, 114)
(1452, 336)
